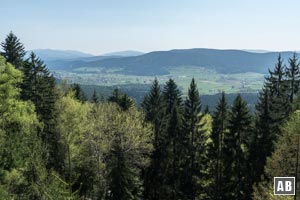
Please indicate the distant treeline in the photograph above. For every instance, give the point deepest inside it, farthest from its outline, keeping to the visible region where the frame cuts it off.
(138, 92)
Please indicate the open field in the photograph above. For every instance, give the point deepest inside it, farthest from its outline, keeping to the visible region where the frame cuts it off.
(209, 81)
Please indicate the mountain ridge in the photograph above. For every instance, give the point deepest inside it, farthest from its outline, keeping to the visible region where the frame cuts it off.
(158, 62)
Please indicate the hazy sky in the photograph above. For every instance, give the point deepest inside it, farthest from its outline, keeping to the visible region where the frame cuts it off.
(98, 26)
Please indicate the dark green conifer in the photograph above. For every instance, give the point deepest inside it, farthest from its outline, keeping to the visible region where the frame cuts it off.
(126, 102)
(192, 142)
(13, 50)
(236, 151)
(278, 87)
(123, 100)
(123, 181)
(172, 96)
(216, 154)
(79, 94)
(152, 106)
(172, 155)
(264, 139)
(171, 142)
(206, 110)
(293, 77)
(95, 98)
(39, 87)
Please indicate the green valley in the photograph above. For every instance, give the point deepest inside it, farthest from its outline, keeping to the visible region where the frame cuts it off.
(209, 81)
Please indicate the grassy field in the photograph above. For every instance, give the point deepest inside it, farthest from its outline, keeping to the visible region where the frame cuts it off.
(209, 81)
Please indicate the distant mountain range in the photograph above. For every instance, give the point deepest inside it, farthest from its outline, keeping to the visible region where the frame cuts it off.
(71, 55)
(52, 54)
(159, 62)
(125, 53)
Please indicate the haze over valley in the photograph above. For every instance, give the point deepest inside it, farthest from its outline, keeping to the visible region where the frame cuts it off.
(232, 71)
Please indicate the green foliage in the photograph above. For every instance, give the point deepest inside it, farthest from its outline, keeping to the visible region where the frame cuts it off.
(72, 124)
(171, 96)
(263, 141)
(129, 146)
(216, 148)
(95, 98)
(153, 109)
(13, 50)
(79, 94)
(293, 77)
(20, 154)
(194, 143)
(39, 87)
(279, 95)
(236, 151)
(283, 161)
(123, 100)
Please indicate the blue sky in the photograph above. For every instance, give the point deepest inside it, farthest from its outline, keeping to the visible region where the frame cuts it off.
(98, 26)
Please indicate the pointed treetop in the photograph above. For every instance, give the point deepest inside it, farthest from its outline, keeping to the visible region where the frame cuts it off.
(13, 50)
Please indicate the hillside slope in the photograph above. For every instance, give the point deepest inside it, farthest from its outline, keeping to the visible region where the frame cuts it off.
(158, 62)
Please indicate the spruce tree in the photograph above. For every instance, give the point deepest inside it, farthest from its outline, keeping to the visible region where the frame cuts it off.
(293, 77)
(79, 94)
(95, 98)
(264, 138)
(171, 142)
(172, 96)
(126, 102)
(172, 155)
(280, 106)
(236, 151)
(192, 141)
(123, 100)
(39, 87)
(219, 129)
(152, 107)
(284, 161)
(122, 178)
(13, 50)
(206, 110)
(115, 96)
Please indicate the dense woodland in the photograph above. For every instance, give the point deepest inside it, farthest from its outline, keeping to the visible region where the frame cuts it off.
(56, 144)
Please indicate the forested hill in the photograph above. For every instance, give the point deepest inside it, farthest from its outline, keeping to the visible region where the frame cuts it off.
(158, 62)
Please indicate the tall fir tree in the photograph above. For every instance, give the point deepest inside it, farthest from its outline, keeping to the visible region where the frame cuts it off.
(171, 96)
(13, 50)
(236, 150)
(264, 139)
(278, 87)
(219, 129)
(172, 155)
(193, 141)
(152, 107)
(123, 184)
(293, 77)
(39, 87)
(171, 142)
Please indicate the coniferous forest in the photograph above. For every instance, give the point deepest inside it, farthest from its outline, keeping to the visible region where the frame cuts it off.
(57, 144)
